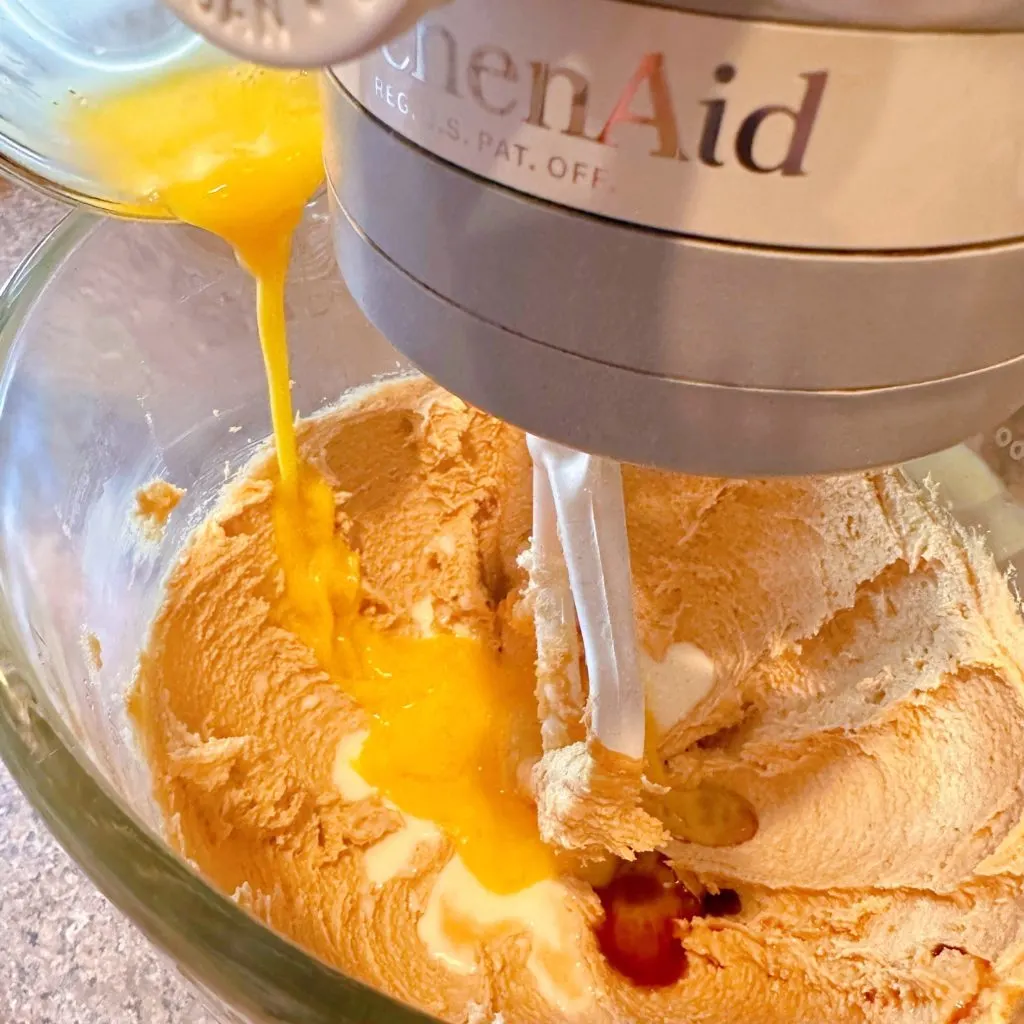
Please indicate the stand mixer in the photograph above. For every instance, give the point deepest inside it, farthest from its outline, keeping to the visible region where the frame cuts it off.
(734, 239)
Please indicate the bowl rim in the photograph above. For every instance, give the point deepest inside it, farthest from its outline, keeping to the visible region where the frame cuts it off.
(217, 945)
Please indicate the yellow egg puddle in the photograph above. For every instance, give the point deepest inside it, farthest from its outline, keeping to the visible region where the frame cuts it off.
(236, 150)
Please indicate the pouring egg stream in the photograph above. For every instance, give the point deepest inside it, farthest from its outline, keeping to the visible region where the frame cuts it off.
(236, 150)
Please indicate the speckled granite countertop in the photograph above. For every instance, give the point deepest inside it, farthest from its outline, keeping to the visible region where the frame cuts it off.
(68, 956)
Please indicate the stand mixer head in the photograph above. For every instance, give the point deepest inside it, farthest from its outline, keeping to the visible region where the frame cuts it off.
(736, 240)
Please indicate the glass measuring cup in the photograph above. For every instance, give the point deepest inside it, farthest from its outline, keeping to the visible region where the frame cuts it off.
(54, 55)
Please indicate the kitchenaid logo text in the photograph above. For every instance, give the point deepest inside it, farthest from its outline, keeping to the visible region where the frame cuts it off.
(558, 98)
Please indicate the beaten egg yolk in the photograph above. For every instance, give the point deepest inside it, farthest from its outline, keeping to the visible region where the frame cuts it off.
(236, 150)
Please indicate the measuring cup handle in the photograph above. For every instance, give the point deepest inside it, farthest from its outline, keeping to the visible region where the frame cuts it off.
(300, 33)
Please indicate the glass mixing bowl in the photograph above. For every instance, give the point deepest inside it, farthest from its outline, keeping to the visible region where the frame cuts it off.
(131, 353)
